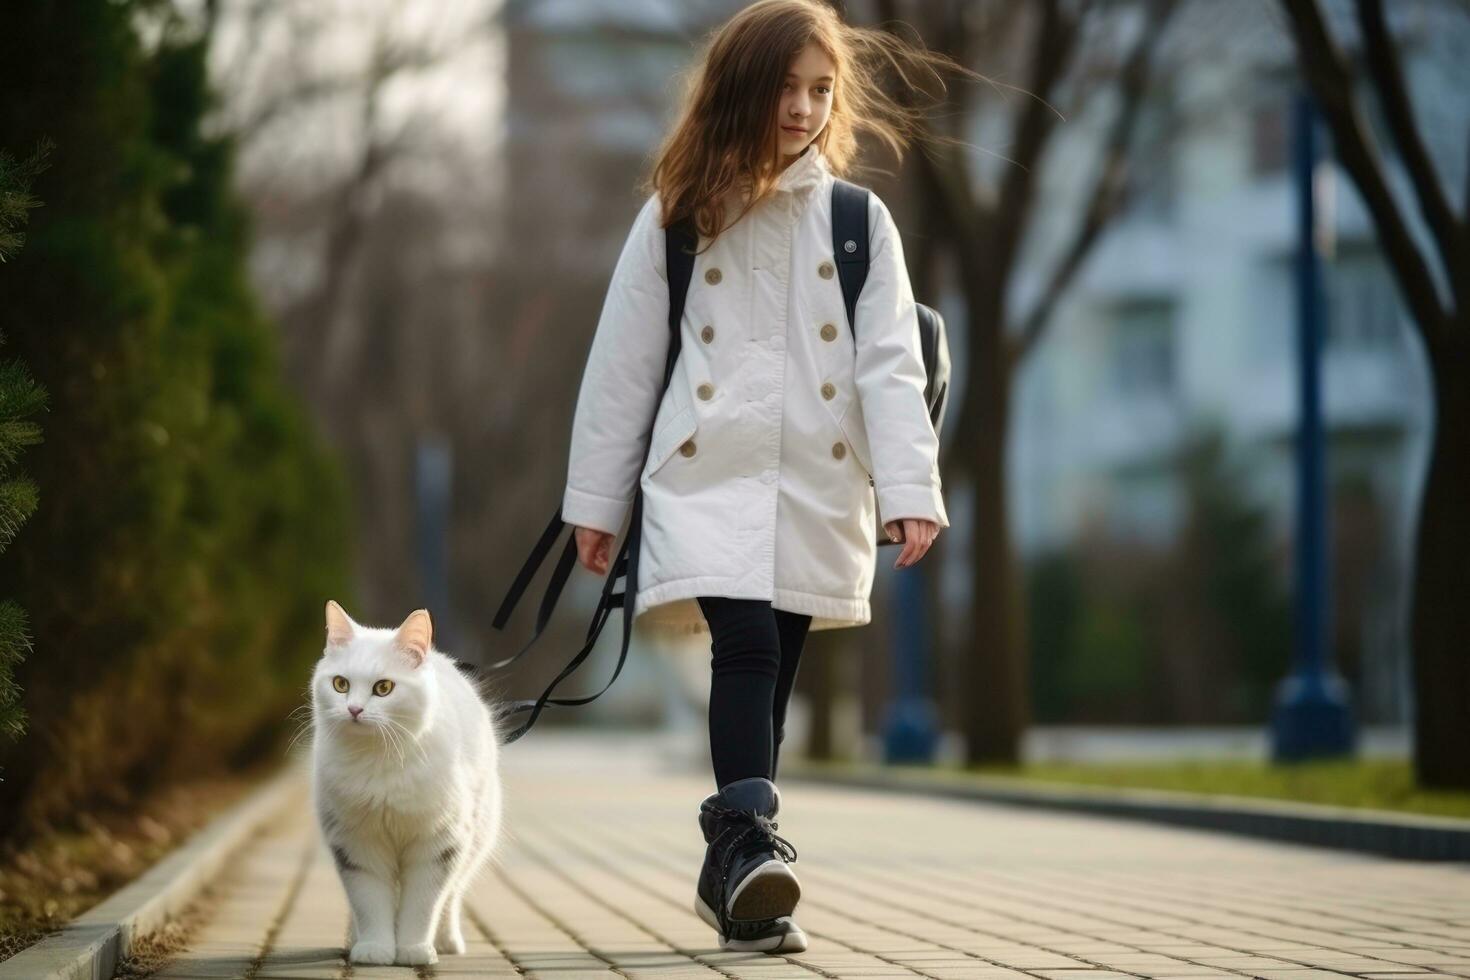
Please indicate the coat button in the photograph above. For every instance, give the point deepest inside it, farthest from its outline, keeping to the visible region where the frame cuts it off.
(829, 331)
(828, 391)
(838, 450)
(712, 276)
(707, 334)
(687, 449)
(825, 270)
(705, 392)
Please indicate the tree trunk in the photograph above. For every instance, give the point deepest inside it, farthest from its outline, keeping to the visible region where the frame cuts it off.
(815, 676)
(1440, 615)
(993, 672)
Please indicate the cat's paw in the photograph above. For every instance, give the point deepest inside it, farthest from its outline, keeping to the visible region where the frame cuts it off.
(449, 943)
(366, 952)
(419, 954)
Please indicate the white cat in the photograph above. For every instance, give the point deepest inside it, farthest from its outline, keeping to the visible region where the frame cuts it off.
(406, 784)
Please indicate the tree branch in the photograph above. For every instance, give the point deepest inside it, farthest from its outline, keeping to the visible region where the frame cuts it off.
(962, 214)
(1326, 72)
(1050, 54)
(1393, 91)
(1107, 194)
(941, 170)
(1465, 227)
(389, 58)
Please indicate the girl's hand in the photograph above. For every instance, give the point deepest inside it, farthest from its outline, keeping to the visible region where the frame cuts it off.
(594, 549)
(918, 535)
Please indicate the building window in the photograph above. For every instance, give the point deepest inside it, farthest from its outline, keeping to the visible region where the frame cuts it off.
(1152, 187)
(1143, 347)
(1270, 135)
(1273, 92)
(1362, 306)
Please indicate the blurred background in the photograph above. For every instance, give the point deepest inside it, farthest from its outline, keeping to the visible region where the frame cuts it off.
(298, 293)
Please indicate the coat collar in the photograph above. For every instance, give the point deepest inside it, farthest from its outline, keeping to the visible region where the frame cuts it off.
(805, 172)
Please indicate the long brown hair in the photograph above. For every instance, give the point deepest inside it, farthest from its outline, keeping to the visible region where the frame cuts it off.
(726, 141)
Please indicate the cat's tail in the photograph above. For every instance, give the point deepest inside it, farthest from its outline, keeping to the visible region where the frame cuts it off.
(490, 690)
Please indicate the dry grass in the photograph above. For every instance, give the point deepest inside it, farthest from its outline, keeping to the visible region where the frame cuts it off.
(153, 951)
(1378, 784)
(49, 880)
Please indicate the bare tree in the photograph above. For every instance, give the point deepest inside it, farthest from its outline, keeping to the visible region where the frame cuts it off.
(364, 198)
(1440, 307)
(985, 225)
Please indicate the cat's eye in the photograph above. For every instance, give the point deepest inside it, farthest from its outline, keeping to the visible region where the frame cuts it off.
(339, 684)
(382, 688)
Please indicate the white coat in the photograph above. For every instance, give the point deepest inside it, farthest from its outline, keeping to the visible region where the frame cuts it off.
(776, 432)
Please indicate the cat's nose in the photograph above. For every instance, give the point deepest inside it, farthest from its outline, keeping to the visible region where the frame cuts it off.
(354, 710)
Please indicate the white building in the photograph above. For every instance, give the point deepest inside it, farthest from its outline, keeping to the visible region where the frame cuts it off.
(1186, 312)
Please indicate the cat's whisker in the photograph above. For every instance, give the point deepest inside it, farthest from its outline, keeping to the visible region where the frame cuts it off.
(303, 730)
(398, 744)
(391, 738)
(408, 735)
(399, 738)
(387, 741)
(303, 724)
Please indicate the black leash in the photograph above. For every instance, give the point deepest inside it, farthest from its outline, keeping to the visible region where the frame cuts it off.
(680, 242)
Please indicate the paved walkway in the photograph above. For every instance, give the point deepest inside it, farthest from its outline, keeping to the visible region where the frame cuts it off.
(596, 878)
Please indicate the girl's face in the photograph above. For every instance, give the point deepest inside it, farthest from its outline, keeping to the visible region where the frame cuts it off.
(806, 101)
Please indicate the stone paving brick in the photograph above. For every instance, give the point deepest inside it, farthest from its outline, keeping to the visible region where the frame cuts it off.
(596, 878)
(228, 944)
(313, 928)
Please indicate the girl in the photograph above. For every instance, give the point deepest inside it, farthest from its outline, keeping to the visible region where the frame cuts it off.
(777, 435)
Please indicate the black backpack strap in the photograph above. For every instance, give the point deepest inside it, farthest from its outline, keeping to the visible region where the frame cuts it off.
(850, 243)
(680, 242)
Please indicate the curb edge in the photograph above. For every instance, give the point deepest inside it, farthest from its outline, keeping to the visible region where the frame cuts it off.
(1422, 837)
(91, 945)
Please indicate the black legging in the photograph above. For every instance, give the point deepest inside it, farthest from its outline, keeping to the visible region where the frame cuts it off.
(755, 653)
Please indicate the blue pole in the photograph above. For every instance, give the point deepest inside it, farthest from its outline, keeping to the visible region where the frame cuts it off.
(911, 728)
(433, 467)
(1312, 717)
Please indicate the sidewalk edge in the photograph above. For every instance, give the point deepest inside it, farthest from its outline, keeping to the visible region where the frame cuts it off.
(91, 946)
(1422, 837)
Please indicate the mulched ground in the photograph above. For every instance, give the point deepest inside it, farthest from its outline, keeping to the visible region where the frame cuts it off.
(49, 880)
(153, 951)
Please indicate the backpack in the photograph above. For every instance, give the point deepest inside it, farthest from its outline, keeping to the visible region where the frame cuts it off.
(850, 246)
(681, 240)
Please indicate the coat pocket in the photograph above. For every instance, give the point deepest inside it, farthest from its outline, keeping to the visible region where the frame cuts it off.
(856, 435)
(669, 437)
(855, 432)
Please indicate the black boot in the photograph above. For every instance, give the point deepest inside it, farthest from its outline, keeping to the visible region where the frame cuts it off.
(747, 891)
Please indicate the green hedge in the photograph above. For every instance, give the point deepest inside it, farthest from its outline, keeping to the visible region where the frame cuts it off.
(20, 399)
(190, 525)
(1195, 631)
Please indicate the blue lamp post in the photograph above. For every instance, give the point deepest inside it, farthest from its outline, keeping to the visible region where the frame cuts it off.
(433, 465)
(1312, 717)
(911, 728)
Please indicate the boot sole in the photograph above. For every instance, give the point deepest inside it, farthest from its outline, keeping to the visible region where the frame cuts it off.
(791, 941)
(768, 892)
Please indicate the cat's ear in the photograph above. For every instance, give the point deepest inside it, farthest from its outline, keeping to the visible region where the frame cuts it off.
(340, 626)
(416, 635)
